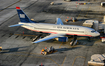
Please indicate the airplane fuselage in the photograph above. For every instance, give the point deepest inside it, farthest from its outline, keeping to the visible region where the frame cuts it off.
(63, 29)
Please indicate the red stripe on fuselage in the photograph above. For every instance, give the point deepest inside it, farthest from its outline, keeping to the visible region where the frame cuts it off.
(78, 34)
(41, 31)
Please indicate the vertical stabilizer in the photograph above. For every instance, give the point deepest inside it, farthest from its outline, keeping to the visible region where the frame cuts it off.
(23, 17)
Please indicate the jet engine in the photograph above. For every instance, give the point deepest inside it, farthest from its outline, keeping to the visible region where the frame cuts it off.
(62, 39)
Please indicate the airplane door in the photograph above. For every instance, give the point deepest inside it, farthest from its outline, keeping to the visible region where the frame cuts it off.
(86, 32)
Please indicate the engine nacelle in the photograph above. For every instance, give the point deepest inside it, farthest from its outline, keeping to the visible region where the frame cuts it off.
(62, 39)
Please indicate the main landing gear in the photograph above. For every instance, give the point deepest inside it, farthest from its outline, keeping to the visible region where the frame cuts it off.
(74, 40)
(37, 37)
(89, 39)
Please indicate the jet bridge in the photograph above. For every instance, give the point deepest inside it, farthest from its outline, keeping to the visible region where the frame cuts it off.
(98, 26)
(95, 24)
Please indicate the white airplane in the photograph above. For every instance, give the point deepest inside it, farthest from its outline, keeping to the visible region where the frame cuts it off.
(55, 30)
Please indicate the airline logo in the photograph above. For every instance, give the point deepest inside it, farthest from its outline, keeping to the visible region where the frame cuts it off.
(22, 15)
(67, 28)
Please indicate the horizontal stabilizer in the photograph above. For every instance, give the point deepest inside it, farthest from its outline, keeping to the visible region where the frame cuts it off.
(15, 25)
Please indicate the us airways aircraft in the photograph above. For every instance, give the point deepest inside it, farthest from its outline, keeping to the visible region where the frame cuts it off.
(55, 30)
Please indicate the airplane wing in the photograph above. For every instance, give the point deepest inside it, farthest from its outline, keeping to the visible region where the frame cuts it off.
(51, 36)
(59, 22)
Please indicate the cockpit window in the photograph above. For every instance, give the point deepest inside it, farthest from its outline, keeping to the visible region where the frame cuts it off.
(93, 31)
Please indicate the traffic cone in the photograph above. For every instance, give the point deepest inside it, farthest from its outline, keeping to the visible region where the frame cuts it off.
(45, 47)
(41, 52)
(23, 32)
(41, 64)
(71, 18)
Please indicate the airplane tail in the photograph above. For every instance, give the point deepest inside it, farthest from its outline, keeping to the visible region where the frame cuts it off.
(23, 17)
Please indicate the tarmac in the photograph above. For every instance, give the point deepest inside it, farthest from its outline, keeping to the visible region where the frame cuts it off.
(18, 49)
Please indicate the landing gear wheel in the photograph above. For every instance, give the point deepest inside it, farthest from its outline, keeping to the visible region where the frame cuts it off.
(74, 41)
(89, 39)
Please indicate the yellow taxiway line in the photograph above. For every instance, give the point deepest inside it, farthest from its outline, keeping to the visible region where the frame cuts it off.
(63, 61)
(79, 57)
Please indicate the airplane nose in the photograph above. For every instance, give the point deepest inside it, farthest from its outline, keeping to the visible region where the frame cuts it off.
(98, 34)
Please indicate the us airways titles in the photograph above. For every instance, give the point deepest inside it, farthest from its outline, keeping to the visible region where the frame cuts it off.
(66, 27)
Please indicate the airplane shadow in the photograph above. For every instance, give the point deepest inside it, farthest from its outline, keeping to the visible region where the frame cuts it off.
(16, 49)
(81, 43)
(77, 0)
(41, 21)
(82, 19)
(66, 49)
(86, 42)
(58, 4)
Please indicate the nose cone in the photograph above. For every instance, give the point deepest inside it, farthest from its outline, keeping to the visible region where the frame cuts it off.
(98, 33)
